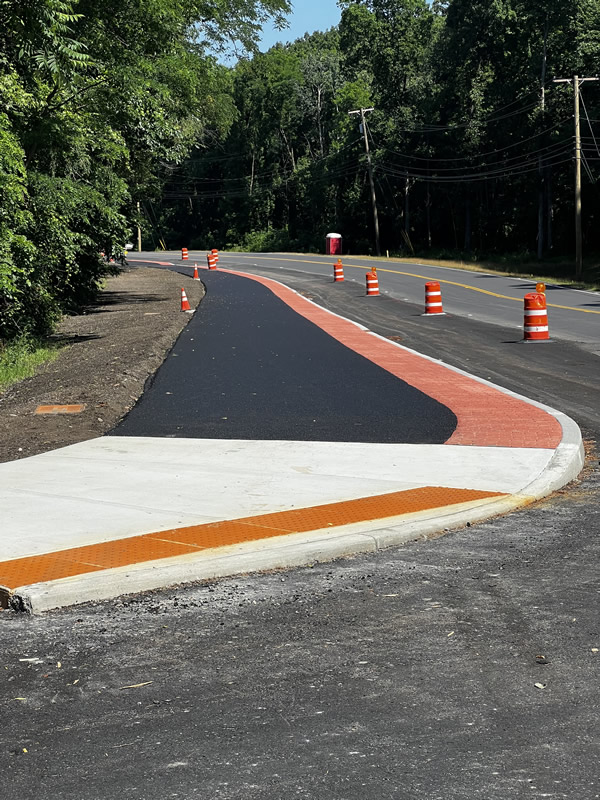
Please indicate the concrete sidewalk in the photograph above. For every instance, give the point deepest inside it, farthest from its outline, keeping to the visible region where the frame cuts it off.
(122, 514)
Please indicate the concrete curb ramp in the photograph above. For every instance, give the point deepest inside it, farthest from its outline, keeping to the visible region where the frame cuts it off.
(122, 514)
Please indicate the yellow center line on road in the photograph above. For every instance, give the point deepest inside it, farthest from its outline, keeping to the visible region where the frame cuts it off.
(427, 278)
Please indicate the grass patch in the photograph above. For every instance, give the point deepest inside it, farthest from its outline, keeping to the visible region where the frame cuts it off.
(20, 358)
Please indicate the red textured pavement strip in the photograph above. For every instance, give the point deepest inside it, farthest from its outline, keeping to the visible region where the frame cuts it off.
(486, 416)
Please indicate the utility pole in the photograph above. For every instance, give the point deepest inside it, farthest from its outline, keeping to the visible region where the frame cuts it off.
(577, 81)
(362, 112)
(139, 230)
(543, 188)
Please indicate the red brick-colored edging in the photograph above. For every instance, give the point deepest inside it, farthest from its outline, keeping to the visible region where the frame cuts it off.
(487, 417)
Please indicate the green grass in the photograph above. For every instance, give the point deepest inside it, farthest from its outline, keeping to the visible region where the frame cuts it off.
(20, 359)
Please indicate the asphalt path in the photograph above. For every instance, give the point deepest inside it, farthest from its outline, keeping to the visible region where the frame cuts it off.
(249, 367)
(461, 668)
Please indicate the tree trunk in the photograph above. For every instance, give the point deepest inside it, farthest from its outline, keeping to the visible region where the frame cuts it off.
(540, 235)
(453, 225)
(428, 213)
(549, 209)
(406, 209)
(320, 126)
(468, 221)
(540, 232)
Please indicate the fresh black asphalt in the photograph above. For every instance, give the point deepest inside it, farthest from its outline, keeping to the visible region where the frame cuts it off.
(249, 367)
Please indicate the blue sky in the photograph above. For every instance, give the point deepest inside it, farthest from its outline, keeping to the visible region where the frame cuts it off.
(307, 16)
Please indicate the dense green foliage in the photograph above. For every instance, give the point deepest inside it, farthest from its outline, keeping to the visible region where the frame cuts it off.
(105, 104)
(472, 142)
(96, 96)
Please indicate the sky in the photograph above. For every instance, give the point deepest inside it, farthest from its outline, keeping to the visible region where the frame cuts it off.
(307, 16)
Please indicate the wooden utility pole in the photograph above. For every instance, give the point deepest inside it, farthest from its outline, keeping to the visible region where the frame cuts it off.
(362, 112)
(542, 182)
(577, 81)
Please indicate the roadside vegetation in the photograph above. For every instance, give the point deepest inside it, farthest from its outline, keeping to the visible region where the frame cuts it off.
(21, 357)
(471, 141)
(97, 98)
(119, 113)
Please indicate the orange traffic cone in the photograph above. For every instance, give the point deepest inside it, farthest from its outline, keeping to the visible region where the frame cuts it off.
(196, 276)
(185, 306)
(338, 271)
(372, 283)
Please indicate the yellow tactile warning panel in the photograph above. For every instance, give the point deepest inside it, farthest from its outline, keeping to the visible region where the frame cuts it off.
(69, 409)
(181, 541)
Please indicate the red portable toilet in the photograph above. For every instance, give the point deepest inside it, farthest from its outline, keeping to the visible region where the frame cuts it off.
(333, 244)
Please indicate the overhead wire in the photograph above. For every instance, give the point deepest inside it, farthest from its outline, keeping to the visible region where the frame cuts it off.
(481, 155)
(184, 185)
(461, 125)
(504, 163)
(519, 169)
(588, 119)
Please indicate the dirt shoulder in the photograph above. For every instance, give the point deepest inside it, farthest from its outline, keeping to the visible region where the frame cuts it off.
(110, 351)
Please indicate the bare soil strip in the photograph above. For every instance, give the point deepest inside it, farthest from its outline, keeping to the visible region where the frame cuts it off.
(110, 352)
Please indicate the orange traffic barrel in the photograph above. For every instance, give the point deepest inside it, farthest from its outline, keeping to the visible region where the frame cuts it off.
(184, 254)
(535, 326)
(215, 253)
(211, 260)
(185, 305)
(338, 271)
(433, 298)
(372, 283)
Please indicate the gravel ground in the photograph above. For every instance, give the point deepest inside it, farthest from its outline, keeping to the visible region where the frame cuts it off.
(110, 352)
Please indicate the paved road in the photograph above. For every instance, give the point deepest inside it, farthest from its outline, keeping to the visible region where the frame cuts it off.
(409, 674)
(281, 389)
(573, 314)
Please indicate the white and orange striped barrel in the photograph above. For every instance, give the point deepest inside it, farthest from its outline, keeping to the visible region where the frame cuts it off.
(535, 325)
(211, 261)
(338, 271)
(215, 254)
(372, 283)
(184, 254)
(433, 298)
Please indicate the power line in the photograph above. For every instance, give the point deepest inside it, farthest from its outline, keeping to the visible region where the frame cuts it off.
(577, 82)
(487, 153)
(589, 123)
(520, 169)
(493, 169)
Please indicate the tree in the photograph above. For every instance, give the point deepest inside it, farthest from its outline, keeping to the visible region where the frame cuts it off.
(99, 99)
